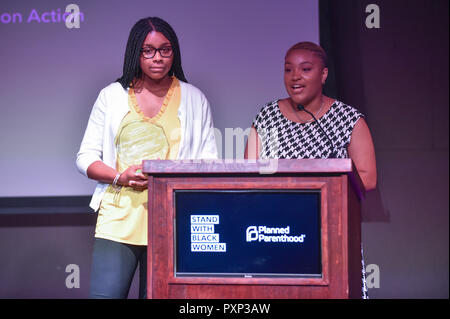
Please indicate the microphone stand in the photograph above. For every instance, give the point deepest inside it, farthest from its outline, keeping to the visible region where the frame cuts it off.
(333, 152)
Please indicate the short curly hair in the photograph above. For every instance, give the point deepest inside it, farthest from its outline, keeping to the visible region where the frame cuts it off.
(311, 46)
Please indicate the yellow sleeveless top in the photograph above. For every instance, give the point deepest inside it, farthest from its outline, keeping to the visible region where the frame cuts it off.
(122, 216)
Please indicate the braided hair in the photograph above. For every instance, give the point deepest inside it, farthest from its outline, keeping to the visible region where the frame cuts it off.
(131, 66)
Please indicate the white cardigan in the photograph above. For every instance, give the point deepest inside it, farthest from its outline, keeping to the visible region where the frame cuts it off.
(197, 133)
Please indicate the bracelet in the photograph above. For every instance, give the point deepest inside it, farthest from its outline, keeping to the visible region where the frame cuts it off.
(114, 183)
(117, 189)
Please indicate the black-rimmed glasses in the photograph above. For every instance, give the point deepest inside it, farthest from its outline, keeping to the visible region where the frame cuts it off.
(149, 52)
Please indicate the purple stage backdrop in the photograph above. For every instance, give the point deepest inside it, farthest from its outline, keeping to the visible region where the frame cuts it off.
(232, 50)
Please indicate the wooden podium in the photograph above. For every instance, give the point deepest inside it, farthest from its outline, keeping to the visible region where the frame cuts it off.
(340, 226)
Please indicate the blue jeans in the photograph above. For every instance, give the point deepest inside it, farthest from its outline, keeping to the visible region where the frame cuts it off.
(113, 268)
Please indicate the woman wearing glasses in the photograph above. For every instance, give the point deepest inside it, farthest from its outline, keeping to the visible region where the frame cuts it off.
(151, 112)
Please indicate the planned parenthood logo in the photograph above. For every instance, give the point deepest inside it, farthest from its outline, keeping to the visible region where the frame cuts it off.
(272, 235)
(203, 235)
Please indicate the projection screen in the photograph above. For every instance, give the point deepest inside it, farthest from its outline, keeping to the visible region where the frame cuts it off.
(52, 72)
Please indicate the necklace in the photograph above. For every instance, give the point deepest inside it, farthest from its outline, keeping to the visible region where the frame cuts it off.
(317, 114)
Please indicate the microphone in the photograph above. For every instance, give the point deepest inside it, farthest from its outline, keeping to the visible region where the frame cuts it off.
(333, 152)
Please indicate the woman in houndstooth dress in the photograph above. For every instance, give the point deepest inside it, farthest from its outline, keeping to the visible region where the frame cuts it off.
(285, 128)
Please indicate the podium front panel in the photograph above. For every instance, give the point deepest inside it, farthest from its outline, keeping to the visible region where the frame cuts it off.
(247, 233)
(222, 234)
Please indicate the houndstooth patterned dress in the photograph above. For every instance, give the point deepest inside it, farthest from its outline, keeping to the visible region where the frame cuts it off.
(282, 138)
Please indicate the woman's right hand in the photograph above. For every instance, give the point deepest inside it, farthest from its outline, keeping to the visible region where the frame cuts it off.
(134, 178)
